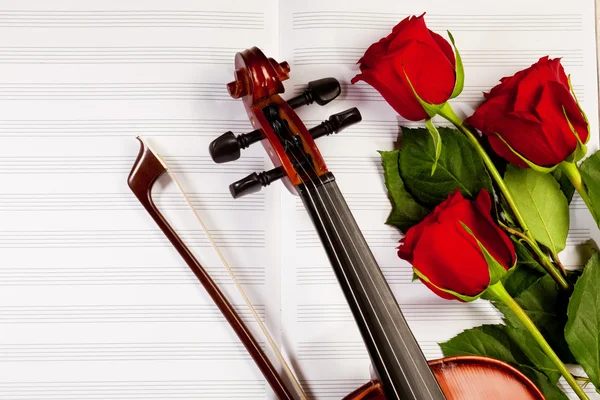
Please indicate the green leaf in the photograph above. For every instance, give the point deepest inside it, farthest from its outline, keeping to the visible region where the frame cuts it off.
(534, 353)
(590, 174)
(524, 274)
(437, 142)
(583, 326)
(460, 71)
(565, 184)
(542, 204)
(485, 340)
(507, 344)
(406, 212)
(544, 303)
(548, 389)
(459, 166)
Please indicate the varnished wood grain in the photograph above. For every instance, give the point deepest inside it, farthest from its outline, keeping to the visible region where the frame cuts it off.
(468, 378)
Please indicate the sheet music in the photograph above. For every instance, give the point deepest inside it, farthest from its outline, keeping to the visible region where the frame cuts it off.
(326, 39)
(94, 302)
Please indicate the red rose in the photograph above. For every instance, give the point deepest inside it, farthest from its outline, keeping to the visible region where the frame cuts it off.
(442, 250)
(531, 111)
(425, 56)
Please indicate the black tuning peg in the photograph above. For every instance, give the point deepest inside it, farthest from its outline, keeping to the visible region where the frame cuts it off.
(336, 123)
(254, 182)
(227, 147)
(321, 91)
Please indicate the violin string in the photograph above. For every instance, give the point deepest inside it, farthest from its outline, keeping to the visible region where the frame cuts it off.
(418, 370)
(307, 183)
(265, 331)
(367, 272)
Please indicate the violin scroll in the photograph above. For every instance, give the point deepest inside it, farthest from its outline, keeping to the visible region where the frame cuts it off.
(289, 144)
(228, 147)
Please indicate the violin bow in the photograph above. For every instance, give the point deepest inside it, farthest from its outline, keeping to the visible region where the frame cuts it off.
(146, 170)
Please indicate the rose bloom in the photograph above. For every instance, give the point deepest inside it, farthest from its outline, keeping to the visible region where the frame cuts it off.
(441, 249)
(427, 59)
(531, 111)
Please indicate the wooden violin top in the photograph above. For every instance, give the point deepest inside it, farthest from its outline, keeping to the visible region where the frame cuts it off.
(468, 378)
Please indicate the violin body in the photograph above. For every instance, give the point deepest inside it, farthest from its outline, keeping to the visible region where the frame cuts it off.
(468, 378)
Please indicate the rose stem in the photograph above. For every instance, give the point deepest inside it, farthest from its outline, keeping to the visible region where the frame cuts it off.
(501, 294)
(538, 252)
(572, 172)
(447, 112)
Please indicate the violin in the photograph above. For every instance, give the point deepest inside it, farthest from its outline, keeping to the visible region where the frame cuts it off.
(401, 370)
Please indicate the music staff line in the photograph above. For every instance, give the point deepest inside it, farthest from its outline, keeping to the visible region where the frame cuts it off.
(110, 128)
(247, 20)
(323, 275)
(125, 202)
(362, 92)
(135, 351)
(122, 313)
(147, 91)
(189, 164)
(250, 238)
(332, 388)
(332, 313)
(114, 91)
(355, 350)
(125, 276)
(117, 55)
(121, 164)
(308, 238)
(354, 20)
(206, 350)
(127, 390)
(173, 202)
(513, 58)
(102, 128)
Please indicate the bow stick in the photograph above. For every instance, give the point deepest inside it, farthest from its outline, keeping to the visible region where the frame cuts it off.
(148, 167)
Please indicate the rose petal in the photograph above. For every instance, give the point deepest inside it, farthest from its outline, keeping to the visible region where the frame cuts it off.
(558, 134)
(430, 72)
(528, 94)
(574, 114)
(445, 47)
(409, 30)
(375, 51)
(398, 96)
(559, 73)
(408, 243)
(530, 88)
(506, 85)
(451, 259)
(476, 216)
(525, 136)
(505, 152)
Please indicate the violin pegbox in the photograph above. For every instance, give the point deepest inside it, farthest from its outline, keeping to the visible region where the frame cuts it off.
(290, 145)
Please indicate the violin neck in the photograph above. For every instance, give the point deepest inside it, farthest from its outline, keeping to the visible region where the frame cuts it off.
(395, 354)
